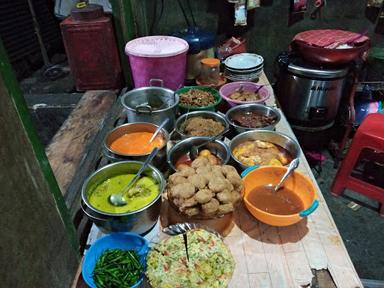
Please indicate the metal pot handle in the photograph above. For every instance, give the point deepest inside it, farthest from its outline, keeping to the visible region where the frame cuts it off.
(84, 208)
(144, 108)
(153, 81)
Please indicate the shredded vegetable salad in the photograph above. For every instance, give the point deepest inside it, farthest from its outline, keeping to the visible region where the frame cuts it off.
(210, 264)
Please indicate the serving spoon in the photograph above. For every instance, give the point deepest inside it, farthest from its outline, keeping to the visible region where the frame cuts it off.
(292, 166)
(194, 151)
(117, 199)
(158, 130)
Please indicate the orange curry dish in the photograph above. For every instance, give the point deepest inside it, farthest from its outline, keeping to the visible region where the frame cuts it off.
(136, 143)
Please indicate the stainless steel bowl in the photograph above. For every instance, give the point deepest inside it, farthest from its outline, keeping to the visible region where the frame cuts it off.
(206, 114)
(119, 131)
(139, 221)
(271, 136)
(259, 108)
(218, 148)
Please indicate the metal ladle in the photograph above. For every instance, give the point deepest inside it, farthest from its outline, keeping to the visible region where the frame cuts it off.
(194, 151)
(117, 199)
(292, 166)
(158, 130)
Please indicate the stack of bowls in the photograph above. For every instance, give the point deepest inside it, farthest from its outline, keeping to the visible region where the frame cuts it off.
(243, 67)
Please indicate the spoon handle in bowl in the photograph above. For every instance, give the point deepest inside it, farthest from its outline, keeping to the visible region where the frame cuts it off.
(292, 166)
(141, 170)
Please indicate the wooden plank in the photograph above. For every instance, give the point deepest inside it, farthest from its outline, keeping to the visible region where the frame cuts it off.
(338, 261)
(295, 256)
(276, 260)
(240, 275)
(70, 143)
(260, 280)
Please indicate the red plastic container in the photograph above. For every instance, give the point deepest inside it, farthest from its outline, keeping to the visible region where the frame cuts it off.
(91, 49)
(158, 57)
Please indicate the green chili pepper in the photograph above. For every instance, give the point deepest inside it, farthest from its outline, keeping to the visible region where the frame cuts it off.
(117, 268)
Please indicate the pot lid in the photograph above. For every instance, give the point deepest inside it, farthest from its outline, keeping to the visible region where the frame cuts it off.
(197, 39)
(312, 71)
(326, 37)
(88, 12)
(156, 46)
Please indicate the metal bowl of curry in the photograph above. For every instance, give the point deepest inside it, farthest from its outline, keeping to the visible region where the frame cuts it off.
(142, 210)
(131, 142)
(248, 117)
(263, 148)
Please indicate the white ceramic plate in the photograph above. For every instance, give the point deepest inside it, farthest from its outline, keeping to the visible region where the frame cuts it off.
(244, 61)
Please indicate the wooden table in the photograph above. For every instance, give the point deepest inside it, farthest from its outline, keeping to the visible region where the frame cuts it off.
(309, 253)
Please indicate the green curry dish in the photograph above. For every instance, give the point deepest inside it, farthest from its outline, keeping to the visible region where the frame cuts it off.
(117, 268)
(210, 264)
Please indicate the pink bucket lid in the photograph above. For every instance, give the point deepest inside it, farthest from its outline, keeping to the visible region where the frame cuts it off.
(156, 46)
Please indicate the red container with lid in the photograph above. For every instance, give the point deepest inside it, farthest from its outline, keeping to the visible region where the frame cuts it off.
(91, 49)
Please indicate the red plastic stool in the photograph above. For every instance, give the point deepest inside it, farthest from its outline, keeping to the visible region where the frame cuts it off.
(369, 135)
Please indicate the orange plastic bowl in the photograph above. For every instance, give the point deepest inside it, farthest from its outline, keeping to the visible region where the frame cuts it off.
(297, 182)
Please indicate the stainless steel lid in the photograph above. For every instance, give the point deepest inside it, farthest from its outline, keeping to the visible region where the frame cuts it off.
(311, 71)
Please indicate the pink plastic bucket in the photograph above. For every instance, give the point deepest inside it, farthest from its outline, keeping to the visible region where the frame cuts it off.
(158, 57)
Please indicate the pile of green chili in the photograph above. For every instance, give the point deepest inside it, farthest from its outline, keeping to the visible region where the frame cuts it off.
(117, 268)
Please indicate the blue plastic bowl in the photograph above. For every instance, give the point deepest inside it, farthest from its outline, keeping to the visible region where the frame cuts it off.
(125, 241)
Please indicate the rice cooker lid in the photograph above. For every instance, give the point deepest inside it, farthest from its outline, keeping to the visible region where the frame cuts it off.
(312, 71)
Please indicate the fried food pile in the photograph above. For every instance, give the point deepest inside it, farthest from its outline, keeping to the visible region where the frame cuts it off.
(200, 126)
(197, 97)
(204, 190)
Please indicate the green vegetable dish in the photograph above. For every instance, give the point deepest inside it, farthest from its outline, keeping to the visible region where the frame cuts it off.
(210, 264)
(118, 268)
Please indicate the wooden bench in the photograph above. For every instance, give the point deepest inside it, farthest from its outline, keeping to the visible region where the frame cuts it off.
(76, 147)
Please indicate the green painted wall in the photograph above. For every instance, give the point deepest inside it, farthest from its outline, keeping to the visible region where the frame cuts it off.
(38, 246)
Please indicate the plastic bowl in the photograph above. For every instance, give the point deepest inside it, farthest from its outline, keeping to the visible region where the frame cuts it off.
(297, 182)
(124, 241)
(229, 88)
(211, 107)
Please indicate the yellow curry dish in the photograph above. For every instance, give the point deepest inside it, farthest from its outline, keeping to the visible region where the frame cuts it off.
(257, 152)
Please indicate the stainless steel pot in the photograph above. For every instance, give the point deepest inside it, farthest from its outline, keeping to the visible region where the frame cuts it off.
(151, 104)
(310, 95)
(259, 108)
(264, 135)
(139, 221)
(160, 158)
(218, 148)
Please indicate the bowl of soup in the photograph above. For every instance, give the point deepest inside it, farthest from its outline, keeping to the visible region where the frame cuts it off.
(143, 199)
(294, 201)
(131, 141)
